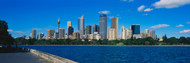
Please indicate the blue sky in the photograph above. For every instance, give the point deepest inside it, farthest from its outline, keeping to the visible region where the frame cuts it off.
(163, 16)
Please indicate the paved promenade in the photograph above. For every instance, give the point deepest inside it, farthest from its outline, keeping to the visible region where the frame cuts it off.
(21, 57)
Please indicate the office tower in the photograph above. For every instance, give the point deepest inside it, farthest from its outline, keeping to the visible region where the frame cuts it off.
(61, 33)
(146, 32)
(88, 30)
(135, 29)
(56, 35)
(103, 26)
(95, 28)
(58, 24)
(111, 34)
(128, 33)
(50, 34)
(33, 35)
(152, 34)
(81, 26)
(114, 24)
(76, 35)
(68, 25)
(40, 36)
(70, 30)
(123, 35)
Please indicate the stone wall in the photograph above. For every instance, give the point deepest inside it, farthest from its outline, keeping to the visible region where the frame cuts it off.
(50, 57)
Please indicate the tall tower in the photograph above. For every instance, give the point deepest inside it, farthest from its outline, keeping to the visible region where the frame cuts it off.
(58, 24)
(135, 29)
(33, 35)
(69, 24)
(81, 26)
(146, 32)
(114, 24)
(95, 28)
(152, 34)
(103, 26)
(123, 35)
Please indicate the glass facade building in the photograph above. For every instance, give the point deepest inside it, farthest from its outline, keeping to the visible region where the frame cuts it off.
(103, 26)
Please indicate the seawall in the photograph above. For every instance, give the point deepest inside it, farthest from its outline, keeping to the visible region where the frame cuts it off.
(50, 57)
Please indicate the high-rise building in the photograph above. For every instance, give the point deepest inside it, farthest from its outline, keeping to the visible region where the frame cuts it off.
(50, 34)
(88, 30)
(103, 26)
(128, 33)
(111, 34)
(146, 33)
(135, 29)
(56, 35)
(61, 33)
(40, 36)
(81, 26)
(76, 35)
(68, 25)
(70, 30)
(114, 24)
(123, 35)
(33, 35)
(152, 34)
(95, 28)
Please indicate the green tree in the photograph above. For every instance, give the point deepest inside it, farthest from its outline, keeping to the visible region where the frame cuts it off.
(5, 37)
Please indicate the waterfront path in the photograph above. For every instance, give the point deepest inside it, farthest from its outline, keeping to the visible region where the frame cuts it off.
(20, 57)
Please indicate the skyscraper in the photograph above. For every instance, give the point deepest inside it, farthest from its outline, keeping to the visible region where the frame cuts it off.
(81, 26)
(146, 33)
(33, 35)
(68, 25)
(111, 34)
(128, 33)
(40, 36)
(56, 35)
(50, 34)
(123, 35)
(61, 33)
(88, 30)
(70, 30)
(135, 29)
(76, 35)
(152, 34)
(114, 24)
(103, 26)
(95, 28)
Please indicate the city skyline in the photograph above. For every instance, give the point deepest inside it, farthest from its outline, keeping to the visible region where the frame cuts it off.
(172, 21)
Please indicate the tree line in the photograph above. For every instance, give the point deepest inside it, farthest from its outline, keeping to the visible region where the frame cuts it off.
(133, 41)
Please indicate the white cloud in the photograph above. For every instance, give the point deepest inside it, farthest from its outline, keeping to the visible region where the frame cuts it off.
(18, 32)
(148, 10)
(104, 12)
(188, 22)
(170, 3)
(159, 26)
(185, 31)
(180, 25)
(127, 0)
(141, 8)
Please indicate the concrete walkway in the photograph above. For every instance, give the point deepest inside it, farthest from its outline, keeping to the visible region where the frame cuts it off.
(21, 57)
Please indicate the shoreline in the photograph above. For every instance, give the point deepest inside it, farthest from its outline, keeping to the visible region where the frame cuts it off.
(104, 45)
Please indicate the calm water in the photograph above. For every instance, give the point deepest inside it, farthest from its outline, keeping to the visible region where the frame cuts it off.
(119, 54)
